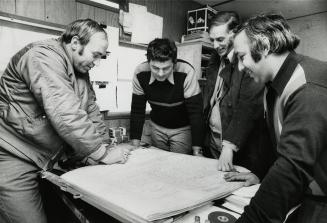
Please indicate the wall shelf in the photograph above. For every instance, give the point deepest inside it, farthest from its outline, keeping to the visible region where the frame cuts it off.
(197, 53)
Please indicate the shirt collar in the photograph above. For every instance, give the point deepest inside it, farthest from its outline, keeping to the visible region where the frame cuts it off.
(230, 56)
(285, 73)
(228, 59)
(69, 57)
(170, 78)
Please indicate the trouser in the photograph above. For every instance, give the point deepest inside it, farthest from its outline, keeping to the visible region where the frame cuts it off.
(174, 140)
(313, 209)
(20, 198)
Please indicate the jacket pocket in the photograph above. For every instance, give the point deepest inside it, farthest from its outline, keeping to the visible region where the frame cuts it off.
(13, 118)
(40, 131)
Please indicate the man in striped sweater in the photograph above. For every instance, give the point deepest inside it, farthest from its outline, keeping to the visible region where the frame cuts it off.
(170, 86)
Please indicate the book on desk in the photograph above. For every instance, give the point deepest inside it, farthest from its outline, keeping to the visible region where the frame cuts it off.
(153, 185)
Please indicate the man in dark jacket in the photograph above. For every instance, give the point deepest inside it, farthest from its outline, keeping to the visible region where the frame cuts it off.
(233, 105)
(296, 105)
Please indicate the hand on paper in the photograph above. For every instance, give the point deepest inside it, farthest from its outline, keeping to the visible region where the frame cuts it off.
(225, 161)
(249, 178)
(117, 154)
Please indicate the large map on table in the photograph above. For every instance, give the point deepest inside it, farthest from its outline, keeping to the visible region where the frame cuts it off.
(153, 184)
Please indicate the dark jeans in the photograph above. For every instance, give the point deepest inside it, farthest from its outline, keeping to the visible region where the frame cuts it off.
(312, 210)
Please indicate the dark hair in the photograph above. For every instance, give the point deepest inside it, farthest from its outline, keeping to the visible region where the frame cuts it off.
(269, 31)
(83, 28)
(162, 50)
(230, 17)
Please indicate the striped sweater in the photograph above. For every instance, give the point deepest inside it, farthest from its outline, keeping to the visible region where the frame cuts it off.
(175, 102)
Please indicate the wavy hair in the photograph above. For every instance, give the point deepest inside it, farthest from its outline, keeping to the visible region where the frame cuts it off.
(269, 31)
(230, 17)
(162, 50)
(83, 29)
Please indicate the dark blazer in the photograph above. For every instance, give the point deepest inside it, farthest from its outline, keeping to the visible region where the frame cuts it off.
(242, 116)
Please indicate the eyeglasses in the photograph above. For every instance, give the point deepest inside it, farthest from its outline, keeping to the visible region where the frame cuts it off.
(97, 59)
(106, 55)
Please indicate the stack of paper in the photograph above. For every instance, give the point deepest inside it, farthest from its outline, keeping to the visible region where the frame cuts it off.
(153, 184)
(240, 198)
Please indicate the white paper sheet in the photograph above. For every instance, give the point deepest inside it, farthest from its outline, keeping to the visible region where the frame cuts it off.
(128, 59)
(146, 26)
(240, 198)
(106, 97)
(153, 184)
(247, 191)
(107, 69)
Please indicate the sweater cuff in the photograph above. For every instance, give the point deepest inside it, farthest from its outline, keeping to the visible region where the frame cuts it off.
(230, 145)
(137, 116)
(194, 107)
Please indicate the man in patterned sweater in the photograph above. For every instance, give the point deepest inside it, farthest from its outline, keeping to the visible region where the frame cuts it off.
(171, 88)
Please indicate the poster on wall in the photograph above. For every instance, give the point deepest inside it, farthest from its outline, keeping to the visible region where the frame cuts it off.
(104, 75)
(140, 26)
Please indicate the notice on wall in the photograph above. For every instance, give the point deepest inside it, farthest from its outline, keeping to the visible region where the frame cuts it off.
(146, 26)
(104, 75)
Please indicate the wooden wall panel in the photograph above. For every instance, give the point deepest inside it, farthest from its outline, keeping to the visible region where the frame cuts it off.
(100, 15)
(60, 11)
(173, 13)
(164, 10)
(112, 19)
(84, 11)
(179, 13)
(313, 32)
(65, 11)
(152, 6)
(32, 9)
(289, 9)
(139, 2)
(7, 6)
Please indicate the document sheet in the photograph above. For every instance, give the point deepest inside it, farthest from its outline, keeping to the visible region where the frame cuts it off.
(153, 184)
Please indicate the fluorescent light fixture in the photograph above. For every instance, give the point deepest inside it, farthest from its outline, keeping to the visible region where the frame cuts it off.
(106, 3)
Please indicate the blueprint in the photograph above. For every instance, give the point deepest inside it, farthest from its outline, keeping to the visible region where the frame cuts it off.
(153, 184)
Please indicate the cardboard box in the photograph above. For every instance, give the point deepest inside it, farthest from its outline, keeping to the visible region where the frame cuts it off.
(199, 19)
